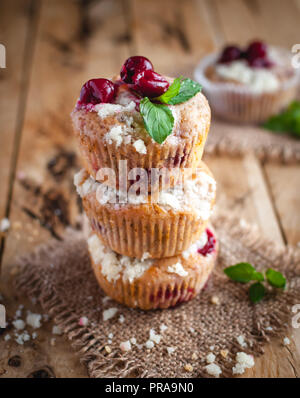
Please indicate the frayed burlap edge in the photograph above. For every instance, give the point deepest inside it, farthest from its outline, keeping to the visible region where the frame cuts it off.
(238, 140)
(91, 348)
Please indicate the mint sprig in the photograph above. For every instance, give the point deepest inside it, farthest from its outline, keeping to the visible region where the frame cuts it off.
(245, 273)
(286, 122)
(256, 292)
(275, 278)
(188, 89)
(172, 92)
(158, 120)
(181, 90)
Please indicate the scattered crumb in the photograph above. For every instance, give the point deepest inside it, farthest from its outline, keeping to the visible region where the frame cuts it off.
(170, 350)
(125, 346)
(194, 356)
(133, 340)
(7, 337)
(19, 324)
(224, 353)
(210, 358)
(240, 339)
(212, 347)
(111, 335)
(269, 328)
(107, 349)
(163, 327)
(34, 320)
(188, 367)
(53, 341)
(243, 362)
(83, 321)
(56, 330)
(215, 300)
(109, 313)
(4, 225)
(286, 341)
(34, 335)
(149, 344)
(213, 369)
(22, 338)
(192, 330)
(121, 318)
(154, 337)
(105, 299)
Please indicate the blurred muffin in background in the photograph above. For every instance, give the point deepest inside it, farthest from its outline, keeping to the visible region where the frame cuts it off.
(248, 85)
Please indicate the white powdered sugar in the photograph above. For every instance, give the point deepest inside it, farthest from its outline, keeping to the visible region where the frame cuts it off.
(258, 80)
(140, 147)
(112, 264)
(84, 185)
(105, 110)
(116, 134)
(199, 244)
(177, 269)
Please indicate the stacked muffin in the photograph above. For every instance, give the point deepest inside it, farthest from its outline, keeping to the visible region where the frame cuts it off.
(146, 192)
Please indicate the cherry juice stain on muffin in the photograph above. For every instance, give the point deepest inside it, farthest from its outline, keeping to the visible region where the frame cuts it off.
(210, 245)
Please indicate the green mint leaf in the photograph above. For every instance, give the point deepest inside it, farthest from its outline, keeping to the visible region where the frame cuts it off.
(275, 278)
(256, 292)
(188, 88)
(258, 276)
(242, 272)
(172, 91)
(286, 122)
(158, 120)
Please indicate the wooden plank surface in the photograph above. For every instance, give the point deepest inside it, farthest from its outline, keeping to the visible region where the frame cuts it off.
(174, 34)
(13, 84)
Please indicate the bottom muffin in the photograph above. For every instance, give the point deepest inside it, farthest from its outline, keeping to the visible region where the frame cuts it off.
(148, 283)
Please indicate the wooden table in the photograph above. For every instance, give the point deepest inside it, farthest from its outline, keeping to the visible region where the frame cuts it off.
(53, 46)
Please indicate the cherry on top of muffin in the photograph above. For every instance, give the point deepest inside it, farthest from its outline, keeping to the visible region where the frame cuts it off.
(152, 93)
(256, 55)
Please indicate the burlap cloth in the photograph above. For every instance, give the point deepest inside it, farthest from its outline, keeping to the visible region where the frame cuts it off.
(234, 139)
(59, 275)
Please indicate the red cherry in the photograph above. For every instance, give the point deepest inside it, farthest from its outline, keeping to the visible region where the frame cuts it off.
(210, 245)
(150, 84)
(134, 65)
(256, 49)
(96, 91)
(229, 54)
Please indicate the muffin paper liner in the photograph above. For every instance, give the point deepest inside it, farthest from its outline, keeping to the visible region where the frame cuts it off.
(236, 103)
(136, 230)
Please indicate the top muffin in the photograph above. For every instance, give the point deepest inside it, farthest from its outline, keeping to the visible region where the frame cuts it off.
(144, 118)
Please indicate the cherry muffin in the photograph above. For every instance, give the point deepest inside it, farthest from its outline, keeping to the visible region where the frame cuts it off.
(139, 225)
(144, 118)
(248, 85)
(150, 284)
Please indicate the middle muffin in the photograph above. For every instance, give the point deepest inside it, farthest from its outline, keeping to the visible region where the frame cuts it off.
(143, 229)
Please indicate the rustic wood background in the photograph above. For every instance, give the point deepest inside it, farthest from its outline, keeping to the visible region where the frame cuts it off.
(53, 46)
